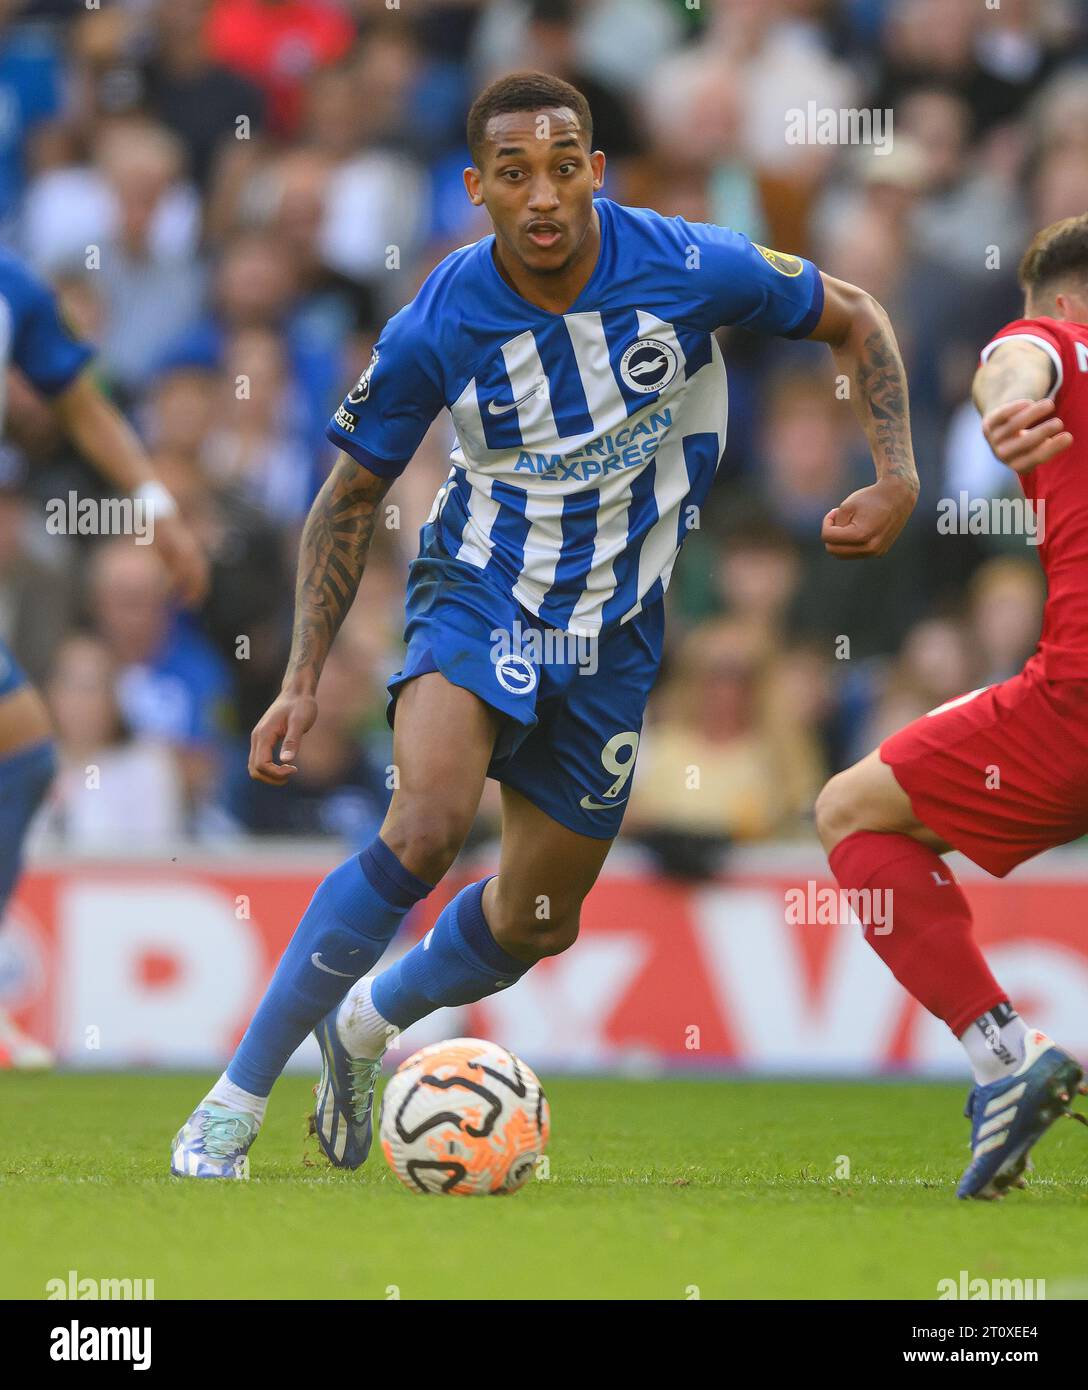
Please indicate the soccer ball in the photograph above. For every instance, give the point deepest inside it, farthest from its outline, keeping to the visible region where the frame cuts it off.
(465, 1118)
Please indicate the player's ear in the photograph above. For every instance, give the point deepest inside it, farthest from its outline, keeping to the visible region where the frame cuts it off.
(472, 185)
(596, 163)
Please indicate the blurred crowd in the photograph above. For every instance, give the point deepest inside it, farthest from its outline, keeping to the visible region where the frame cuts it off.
(232, 195)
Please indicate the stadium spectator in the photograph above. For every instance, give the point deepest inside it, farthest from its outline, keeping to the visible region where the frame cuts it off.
(152, 292)
(252, 563)
(1005, 609)
(279, 44)
(113, 787)
(289, 198)
(257, 440)
(171, 683)
(377, 202)
(708, 768)
(211, 109)
(256, 287)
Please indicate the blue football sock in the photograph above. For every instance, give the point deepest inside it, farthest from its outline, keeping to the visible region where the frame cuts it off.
(350, 920)
(24, 780)
(457, 962)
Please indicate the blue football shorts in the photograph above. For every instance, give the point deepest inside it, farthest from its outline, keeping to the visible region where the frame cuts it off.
(12, 676)
(572, 706)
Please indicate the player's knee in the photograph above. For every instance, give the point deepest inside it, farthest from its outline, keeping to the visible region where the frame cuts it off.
(532, 936)
(426, 839)
(837, 810)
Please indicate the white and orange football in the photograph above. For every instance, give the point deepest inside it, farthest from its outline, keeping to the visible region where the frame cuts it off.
(464, 1118)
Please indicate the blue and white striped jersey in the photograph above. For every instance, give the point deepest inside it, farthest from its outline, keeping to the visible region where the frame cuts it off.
(585, 439)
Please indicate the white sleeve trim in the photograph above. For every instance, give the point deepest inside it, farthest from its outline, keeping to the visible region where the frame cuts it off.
(1049, 348)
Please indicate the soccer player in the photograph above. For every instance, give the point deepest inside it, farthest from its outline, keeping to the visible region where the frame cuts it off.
(1000, 773)
(575, 351)
(36, 340)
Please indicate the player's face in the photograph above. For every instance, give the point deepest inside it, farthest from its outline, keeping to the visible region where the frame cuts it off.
(537, 179)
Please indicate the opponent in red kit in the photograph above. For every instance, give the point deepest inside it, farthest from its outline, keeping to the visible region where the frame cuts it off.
(932, 786)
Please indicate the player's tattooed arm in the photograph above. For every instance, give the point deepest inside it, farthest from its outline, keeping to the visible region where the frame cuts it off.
(862, 341)
(1010, 391)
(332, 556)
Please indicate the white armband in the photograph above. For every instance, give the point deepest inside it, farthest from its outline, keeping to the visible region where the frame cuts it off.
(158, 498)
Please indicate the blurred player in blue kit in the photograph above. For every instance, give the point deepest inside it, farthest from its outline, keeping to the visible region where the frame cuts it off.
(35, 340)
(574, 349)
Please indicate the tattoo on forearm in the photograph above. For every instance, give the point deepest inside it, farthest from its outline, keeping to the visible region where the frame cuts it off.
(332, 557)
(882, 384)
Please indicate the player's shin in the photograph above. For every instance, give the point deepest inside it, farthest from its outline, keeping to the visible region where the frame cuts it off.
(457, 962)
(351, 919)
(926, 937)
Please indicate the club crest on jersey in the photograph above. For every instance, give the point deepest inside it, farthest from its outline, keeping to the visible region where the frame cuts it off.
(648, 365)
(515, 674)
(361, 389)
(785, 264)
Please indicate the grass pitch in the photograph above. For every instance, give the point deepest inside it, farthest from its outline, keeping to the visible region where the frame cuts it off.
(660, 1189)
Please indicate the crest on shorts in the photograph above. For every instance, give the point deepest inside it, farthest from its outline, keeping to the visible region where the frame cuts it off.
(515, 674)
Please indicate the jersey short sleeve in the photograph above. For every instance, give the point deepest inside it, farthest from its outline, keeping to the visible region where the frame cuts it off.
(383, 418)
(43, 346)
(741, 282)
(1045, 334)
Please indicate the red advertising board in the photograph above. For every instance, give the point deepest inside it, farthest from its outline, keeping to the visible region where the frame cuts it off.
(140, 964)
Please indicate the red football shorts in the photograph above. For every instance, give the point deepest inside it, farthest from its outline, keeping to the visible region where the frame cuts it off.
(1001, 773)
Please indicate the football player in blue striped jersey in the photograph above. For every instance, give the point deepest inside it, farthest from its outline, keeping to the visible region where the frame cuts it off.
(574, 351)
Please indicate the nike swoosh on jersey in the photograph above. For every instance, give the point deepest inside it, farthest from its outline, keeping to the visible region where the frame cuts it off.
(589, 804)
(493, 408)
(316, 959)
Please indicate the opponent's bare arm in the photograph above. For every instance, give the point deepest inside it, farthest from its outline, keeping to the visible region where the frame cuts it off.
(1010, 391)
(106, 440)
(332, 557)
(863, 344)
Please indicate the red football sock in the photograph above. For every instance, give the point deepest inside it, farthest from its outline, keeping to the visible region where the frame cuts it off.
(930, 949)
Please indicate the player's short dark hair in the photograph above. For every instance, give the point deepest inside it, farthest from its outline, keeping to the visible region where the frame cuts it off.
(1058, 252)
(524, 91)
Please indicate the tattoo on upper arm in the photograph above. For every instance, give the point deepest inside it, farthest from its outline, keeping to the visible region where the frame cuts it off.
(883, 386)
(332, 557)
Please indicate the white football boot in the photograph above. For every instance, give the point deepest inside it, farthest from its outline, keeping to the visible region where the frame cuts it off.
(214, 1143)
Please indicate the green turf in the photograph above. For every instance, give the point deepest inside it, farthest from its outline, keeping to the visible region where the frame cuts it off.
(657, 1189)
